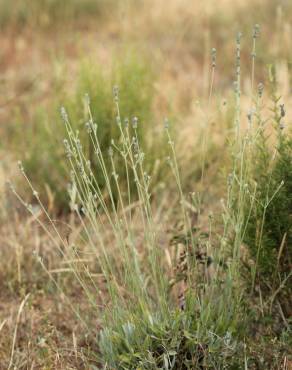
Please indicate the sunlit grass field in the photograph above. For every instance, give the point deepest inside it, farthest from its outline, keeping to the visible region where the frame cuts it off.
(145, 184)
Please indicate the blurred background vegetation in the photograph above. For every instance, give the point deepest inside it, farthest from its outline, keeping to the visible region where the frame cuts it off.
(55, 52)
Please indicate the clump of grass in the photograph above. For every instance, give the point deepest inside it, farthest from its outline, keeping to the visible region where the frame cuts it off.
(143, 325)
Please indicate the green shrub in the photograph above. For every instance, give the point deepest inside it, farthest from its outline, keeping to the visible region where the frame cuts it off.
(268, 233)
(269, 224)
(273, 210)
